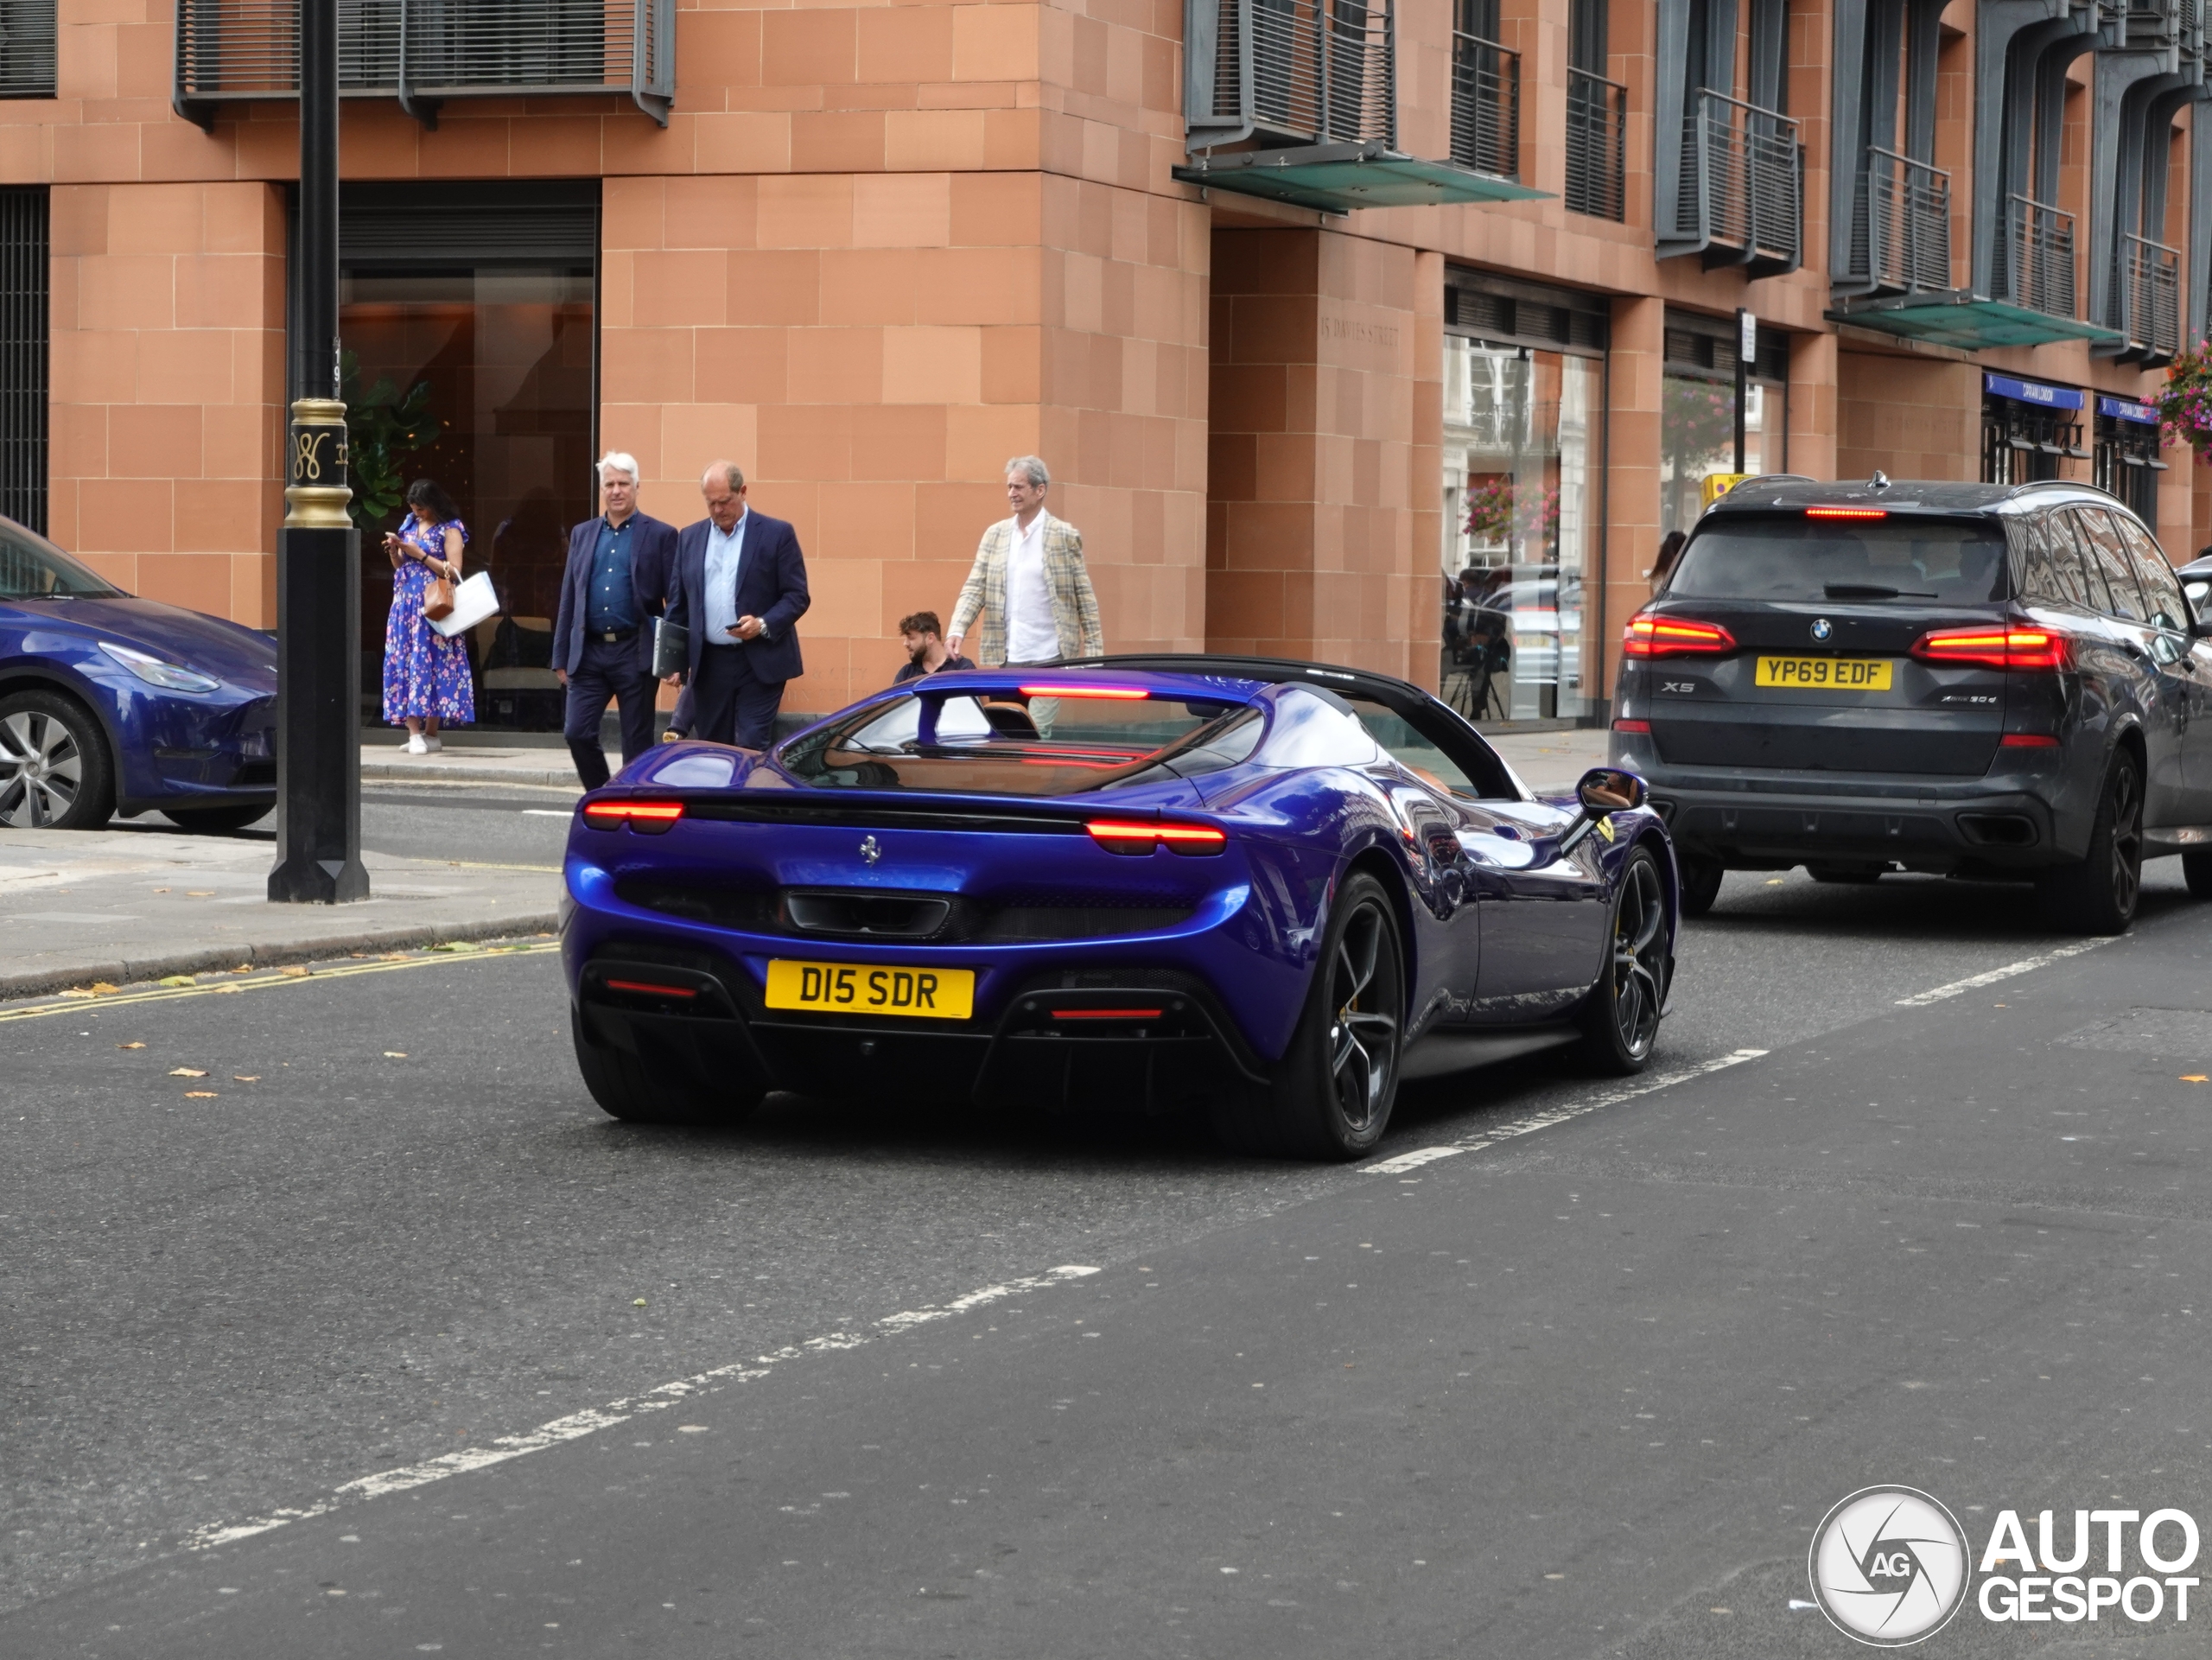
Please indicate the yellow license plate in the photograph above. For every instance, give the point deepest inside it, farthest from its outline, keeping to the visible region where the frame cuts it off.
(856, 988)
(1826, 673)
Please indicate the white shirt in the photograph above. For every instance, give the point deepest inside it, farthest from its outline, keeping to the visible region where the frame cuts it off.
(1031, 635)
(725, 556)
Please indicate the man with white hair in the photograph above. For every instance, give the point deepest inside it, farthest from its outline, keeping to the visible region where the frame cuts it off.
(1028, 583)
(615, 585)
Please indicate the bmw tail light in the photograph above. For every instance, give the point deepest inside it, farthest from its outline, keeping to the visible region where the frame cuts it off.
(1846, 512)
(647, 817)
(1136, 838)
(2001, 646)
(2027, 740)
(1651, 635)
(1632, 726)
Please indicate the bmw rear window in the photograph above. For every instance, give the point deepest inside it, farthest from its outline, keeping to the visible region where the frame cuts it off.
(1786, 557)
(989, 744)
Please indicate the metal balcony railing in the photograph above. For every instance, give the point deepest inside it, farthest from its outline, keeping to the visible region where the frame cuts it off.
(2150, 295)
(2039, 257)
(1485, 105)
(1596, 146)
(1311, 71)
(1742, 182)
(26, 48)
(422, 52)
(1902, 242)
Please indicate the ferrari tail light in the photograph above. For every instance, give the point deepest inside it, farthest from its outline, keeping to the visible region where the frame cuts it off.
(648, 817)
(1127, 693)
(652, 989)
(1997, 646)
(1652, 635)
(1131, 836)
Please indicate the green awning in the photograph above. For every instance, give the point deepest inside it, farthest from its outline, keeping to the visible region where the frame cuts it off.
(1336, 178)
(1961, 318)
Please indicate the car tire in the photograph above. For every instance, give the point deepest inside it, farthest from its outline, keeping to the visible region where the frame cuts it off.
(1700, 881)
(1620, 1018)
(2197, 870)
(630, 1089)
(56, 770)
(1332, 1092)
(2097, 895)
(1855, 874)
(215, 820)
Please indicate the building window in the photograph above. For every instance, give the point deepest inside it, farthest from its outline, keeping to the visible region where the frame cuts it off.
(24, 336)
(1697, 417)
(1597, 117)
(2125, 458)
(2027, 428)
(26, 48)
(1524, 408)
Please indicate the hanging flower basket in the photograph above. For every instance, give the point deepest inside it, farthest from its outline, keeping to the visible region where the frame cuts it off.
(2185, 406)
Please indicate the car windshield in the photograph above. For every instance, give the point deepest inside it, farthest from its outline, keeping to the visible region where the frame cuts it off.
(989, 744)
(32, 568)
(1790, 556)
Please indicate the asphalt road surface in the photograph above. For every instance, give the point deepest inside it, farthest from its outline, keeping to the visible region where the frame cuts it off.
(379, 1340)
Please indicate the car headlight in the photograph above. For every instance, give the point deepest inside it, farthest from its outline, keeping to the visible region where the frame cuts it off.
(155, 672)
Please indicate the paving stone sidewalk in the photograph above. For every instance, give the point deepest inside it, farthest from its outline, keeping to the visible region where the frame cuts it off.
(119, 904)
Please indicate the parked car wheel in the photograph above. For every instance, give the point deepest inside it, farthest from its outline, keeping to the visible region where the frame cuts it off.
(1620, 1020)
(55, 773)
(1700, 883)
(2097, 895)
(631, 1088)
(216, 819)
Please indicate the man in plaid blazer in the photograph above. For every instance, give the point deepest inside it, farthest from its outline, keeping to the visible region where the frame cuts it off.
(1028, 583)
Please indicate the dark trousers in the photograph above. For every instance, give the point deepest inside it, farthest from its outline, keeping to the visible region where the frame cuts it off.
(728, 705)
(608, 672)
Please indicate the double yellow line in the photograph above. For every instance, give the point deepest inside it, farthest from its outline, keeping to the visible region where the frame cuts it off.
(434, 958)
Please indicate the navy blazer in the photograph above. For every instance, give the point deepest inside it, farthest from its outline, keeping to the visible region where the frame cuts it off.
(652, 556)
(771, 585)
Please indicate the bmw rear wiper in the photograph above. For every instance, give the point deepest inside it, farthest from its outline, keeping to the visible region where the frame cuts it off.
(1872, 591)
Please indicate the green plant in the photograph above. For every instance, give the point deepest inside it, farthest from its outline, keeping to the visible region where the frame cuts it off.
(2185, 406)
(1698, 423)
(383, 429)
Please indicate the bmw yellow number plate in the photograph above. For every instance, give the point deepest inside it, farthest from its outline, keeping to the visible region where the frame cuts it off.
(1826, 673)
(856, 988)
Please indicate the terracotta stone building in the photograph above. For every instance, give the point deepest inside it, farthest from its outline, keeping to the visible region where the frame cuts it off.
(1313, 305)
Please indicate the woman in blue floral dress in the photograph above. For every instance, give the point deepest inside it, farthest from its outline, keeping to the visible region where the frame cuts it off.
(426, 678)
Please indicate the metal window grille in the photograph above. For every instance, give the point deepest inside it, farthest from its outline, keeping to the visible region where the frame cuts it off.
(422, 51)
(2039, 256)
(1485, 105)
(1597, 145)
(1323, 71)
(2150, 294)
(26, 48)
(24, 354)
(1742, 181)
(1902, 238)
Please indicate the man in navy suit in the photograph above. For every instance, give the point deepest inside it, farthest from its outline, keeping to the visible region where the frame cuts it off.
(618, 575)
(739, 588)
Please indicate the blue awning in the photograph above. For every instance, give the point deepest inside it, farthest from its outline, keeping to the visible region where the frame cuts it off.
(2032, 391)
(2120, 410)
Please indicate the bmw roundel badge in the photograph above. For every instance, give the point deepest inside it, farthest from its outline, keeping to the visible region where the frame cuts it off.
(1822, 628)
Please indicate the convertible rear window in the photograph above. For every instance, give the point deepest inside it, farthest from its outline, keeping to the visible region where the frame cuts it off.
(1793, 558)
(32, 568)
(987, 744)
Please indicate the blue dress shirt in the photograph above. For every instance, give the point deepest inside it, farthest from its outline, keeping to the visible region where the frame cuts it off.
(725, 556)
(614, 607)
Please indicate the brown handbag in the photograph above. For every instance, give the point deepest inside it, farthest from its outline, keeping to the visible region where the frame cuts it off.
(437, 599)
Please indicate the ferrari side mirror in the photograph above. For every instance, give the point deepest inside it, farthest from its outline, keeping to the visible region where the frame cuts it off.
(1603, 791)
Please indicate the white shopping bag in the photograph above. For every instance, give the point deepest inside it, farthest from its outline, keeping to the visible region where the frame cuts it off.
(474, 600)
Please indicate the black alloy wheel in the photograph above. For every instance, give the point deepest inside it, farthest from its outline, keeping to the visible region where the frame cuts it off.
(1701, 880)
(54, 772)
(2097, 895)
(1337, 1081)
(1620, 1020)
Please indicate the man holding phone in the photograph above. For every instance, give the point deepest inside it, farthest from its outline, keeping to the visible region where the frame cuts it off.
(739, 590)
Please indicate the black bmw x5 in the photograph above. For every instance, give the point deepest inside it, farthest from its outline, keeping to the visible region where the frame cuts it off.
(1986, 680)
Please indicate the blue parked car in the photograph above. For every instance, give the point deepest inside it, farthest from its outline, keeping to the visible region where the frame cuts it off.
(1267, 891)
(110, 703)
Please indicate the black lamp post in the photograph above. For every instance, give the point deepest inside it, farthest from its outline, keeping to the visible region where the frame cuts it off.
(319, 568)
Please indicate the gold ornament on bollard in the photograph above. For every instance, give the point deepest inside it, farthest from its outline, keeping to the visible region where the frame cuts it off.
(315, 491)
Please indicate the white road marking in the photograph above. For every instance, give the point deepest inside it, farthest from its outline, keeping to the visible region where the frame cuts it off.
(546, 812)
(1545, 1120)
(592, 1420)
(2026, 965)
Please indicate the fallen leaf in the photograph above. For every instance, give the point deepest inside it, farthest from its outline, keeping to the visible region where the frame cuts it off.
(200, 1095)
(80, 991)
(131, 1046)
(161, 890)
(294, 972)
(246, 1078)
(394, 956)
(395, 1054)
(243, 968)
(186, 1072)
(101, 988)
(200, 892)
(178, 980)
(2195, 1078)
(638, 1303)
(220, 988)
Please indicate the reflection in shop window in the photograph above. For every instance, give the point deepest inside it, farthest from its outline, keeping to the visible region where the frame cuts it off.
(1519, 473)
(1697, 439)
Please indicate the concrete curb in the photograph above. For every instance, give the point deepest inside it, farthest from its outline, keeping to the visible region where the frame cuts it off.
(38, 983)
(562, 776)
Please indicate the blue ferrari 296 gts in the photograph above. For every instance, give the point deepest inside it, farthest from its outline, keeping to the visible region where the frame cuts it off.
(1270, 891)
